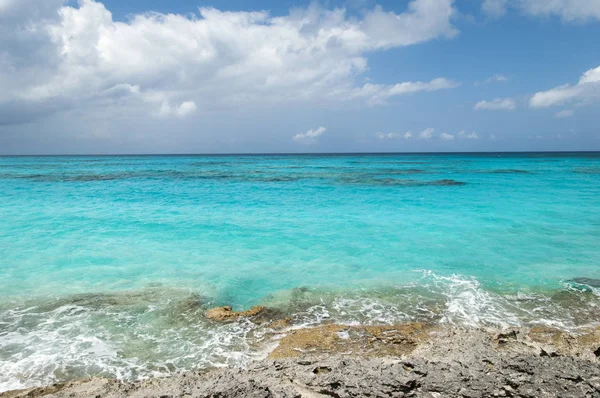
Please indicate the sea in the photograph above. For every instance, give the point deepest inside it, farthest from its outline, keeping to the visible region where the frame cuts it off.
(108, 263)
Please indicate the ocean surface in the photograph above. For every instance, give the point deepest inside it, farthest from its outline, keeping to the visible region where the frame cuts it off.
(107, 264)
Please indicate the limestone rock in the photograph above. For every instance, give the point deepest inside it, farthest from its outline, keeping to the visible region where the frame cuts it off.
(226, 313)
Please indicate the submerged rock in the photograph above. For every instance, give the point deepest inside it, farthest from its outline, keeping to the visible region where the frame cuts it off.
(228, 314)
(448, 183)
(509, 171)
(587, 281)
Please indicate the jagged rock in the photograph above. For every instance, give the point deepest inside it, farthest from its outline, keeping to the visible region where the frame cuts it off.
(228, 314)
(412, 360)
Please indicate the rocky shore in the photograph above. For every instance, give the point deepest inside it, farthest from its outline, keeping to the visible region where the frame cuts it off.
(408, 360)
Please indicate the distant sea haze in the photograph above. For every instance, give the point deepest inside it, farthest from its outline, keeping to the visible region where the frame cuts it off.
(108, 263)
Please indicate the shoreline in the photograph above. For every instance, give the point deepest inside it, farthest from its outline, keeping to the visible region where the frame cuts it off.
(411, 359)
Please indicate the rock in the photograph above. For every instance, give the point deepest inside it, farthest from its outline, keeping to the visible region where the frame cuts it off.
(370, 341)
(226, 313)
(549, 336)
(339, 376)
(280, 324)
(587, 281)
(412, 360)
(505, 337)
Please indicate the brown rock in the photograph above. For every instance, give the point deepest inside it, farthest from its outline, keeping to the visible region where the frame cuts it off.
(280, 324)
(228, 314)
(369, 341)
(557, 342)
(591, 341)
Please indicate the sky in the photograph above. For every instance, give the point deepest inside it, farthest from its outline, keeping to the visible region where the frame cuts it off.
(282, 76)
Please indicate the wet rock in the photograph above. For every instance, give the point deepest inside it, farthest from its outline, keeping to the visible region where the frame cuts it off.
(280, 324)
(431, 362)
(226, 313)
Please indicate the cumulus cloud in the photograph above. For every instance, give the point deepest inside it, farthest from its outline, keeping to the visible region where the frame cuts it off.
(426, 134)
(588, 88)
(568, 10)
(310, 136)
(463, 135)
(563, 114)
(56, 53)
(447, 137)
(497, 104)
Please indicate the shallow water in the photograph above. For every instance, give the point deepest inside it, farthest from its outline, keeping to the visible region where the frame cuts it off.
(108, 263)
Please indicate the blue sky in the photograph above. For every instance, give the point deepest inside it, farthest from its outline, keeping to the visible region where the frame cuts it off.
(281, 76)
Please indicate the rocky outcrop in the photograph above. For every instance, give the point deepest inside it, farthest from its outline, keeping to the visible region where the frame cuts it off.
(412, 360)
(525, 376)
(223, 314)
(371, 341)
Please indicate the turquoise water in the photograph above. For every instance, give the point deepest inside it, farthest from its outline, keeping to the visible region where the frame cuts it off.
(108, 263)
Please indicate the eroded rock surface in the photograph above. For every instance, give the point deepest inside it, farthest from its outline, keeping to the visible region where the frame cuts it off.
(412, 360)
(222, 314)
(370, 341)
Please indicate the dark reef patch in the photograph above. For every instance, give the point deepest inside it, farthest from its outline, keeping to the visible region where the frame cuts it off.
(394, 182)
(592, 282)
(509, 171)
(587, 170)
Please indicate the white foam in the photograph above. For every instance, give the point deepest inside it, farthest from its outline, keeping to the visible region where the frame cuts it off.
(39, 347)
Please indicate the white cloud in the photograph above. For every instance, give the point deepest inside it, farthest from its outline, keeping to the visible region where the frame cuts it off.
(378, 93)
(493, 79)
(563, 114)
(494, 8)
(388, 136)
(506, 104)
(463, 135)
(392, 136)
(213, 60)
(588, 88)
(496, 78)
(310, 136)
(568, 10)
(184, 109)
(426, 134)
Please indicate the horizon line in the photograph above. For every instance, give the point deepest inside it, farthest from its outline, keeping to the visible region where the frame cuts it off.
(299, 153)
